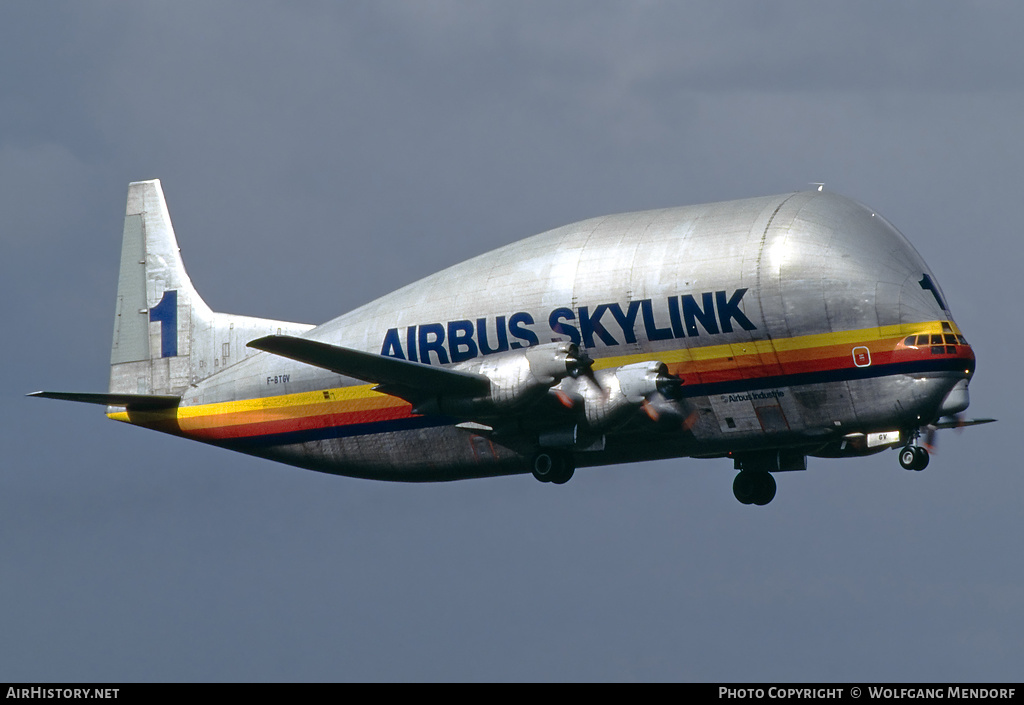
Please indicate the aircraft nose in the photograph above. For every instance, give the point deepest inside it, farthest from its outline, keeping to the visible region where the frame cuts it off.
(956, 401)
(921, 299)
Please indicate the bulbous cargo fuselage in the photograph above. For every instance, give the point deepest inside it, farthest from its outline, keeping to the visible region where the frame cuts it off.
(767, 329)
(787, 319)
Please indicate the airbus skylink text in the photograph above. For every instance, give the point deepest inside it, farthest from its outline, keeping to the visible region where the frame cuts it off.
(610, 323)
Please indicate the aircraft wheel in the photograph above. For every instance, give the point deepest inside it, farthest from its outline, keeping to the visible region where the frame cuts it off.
(565, 475)
(743, 488)
(766, 489)
(754, 487)
(553, 466)
(921, 462)
(907, 458)
(914, 458)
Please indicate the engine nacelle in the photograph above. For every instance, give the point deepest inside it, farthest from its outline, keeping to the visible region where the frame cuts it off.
(622, 391)
(518, 378)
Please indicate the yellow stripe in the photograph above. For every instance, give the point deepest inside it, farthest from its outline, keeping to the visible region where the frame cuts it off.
(353, 393)
(359, 391)
(759, 347)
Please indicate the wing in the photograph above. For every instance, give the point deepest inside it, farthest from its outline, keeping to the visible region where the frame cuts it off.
(411, 381)
(549, 386)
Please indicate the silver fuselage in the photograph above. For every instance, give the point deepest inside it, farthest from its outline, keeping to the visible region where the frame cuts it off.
(786, 317)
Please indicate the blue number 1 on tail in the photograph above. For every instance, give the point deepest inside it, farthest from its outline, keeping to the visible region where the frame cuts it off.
(166, 312)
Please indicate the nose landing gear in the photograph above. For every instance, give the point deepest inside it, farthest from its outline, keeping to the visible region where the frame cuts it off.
(914, 457)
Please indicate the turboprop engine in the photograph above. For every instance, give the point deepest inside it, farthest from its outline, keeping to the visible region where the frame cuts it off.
(609, 398)
(620, 391)
(517, 379)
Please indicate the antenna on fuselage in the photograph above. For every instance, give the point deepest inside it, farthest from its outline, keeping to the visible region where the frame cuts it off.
(819, 184)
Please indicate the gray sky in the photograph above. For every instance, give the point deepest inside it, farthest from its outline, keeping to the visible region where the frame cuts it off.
(316, 155)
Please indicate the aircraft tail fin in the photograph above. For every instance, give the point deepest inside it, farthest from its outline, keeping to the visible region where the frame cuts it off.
(165, 336)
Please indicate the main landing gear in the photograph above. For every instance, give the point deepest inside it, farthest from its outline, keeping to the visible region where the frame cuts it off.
(554, 466)
(755, 483)
(754, 487)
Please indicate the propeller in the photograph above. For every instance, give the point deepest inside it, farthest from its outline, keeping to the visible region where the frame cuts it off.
(663, 408)
(670, 386)
(582, 365)
(957, 421)
(930, 443)
(668, 408)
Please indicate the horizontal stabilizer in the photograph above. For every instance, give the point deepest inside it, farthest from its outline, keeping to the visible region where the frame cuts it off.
(402, 378)
(133, 402)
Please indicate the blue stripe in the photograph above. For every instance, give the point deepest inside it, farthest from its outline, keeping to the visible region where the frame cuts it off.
(825, 376)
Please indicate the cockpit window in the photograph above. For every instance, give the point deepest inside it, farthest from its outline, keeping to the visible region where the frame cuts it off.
(940, 343)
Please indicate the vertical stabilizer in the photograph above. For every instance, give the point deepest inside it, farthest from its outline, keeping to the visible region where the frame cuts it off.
(165, 336)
